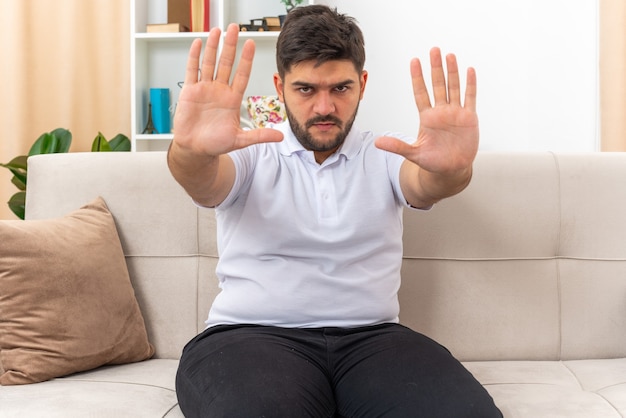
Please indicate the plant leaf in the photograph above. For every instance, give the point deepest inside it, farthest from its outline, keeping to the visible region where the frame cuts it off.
(17, 163)
(17, 166)
(100, 144)
(19, 182)
(57, 141)
(17, 204)
(120, 143)
(41, 145)
(65, 139)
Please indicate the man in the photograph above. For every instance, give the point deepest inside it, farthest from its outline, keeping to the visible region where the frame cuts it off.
(309, 231)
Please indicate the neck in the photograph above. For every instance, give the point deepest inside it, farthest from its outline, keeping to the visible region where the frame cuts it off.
(321, 156)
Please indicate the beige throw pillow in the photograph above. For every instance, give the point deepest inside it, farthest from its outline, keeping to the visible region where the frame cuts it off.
(66, 301)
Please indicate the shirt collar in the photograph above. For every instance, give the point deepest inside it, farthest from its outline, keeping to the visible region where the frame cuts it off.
(290, 144)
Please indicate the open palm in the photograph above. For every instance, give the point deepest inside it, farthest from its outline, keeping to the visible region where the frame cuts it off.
(447, 140)
(208, 109)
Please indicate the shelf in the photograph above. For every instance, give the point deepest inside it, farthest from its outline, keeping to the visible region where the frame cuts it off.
(158, 60)
(178, 36)
(262, 35)
(173, 36)
(154, 137)
(152, 142)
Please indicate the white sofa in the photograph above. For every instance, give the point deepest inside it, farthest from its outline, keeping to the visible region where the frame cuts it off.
(522, 276)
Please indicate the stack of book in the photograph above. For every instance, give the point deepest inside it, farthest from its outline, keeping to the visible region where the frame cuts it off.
(184, 16)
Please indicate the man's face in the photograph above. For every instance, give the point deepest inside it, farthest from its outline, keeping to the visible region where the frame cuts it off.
(321, 103)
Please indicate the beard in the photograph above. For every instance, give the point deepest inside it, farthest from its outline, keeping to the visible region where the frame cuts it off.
(312, 144)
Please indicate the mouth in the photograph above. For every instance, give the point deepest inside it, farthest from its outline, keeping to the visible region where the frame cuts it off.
(324, 123)
(324, 126)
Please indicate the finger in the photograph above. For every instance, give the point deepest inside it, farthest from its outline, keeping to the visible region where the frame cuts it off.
(210, 54)
(191, 72)
(227, 57)
(438, 78)
(454, 85)
(395, 145)
(260, 135)
(420, 92)
(242, 74)
(470, 90)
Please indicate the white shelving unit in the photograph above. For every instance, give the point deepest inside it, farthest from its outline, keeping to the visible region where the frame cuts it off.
(158, 59)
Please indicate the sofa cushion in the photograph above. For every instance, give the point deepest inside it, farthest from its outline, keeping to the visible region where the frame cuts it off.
(572, 389)
(66, 300)
(137, 390)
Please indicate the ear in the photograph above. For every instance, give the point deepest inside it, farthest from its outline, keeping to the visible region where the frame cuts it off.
(279, 86)
(363, 82)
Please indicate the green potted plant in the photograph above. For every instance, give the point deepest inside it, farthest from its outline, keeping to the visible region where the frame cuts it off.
(56, 141)
(289, 6)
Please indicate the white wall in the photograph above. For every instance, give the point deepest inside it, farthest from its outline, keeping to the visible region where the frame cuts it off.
(536, 62)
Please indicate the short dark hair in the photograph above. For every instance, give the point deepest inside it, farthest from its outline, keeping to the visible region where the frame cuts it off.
(319, 33)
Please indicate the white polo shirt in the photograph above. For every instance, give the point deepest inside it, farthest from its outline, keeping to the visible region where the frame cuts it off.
(309, 245)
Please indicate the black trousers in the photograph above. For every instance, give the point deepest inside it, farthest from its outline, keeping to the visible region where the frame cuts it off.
(379, 371)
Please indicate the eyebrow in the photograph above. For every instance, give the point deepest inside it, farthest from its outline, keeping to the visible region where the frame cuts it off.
(305, 84)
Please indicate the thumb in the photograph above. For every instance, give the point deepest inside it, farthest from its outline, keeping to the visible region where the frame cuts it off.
(395, 145)
(260, 135)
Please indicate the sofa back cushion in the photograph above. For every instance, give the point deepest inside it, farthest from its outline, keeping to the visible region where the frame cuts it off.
(529, 262)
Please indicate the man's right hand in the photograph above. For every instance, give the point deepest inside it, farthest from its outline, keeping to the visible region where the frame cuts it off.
(207, 119)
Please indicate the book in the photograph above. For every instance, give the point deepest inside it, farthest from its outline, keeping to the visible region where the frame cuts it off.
(160, 109)
(178, 12)
(199, 13)
(166, 27)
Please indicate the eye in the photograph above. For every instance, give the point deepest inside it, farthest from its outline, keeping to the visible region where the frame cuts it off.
(342, 89)
(305, 89)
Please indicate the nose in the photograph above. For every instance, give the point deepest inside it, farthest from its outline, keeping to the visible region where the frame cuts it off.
(324, 104)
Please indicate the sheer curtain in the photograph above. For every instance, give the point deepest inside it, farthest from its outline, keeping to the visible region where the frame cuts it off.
(613, 75)
(65, 63)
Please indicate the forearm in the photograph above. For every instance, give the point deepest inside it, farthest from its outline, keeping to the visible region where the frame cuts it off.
(422, 188)
(207, 179)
